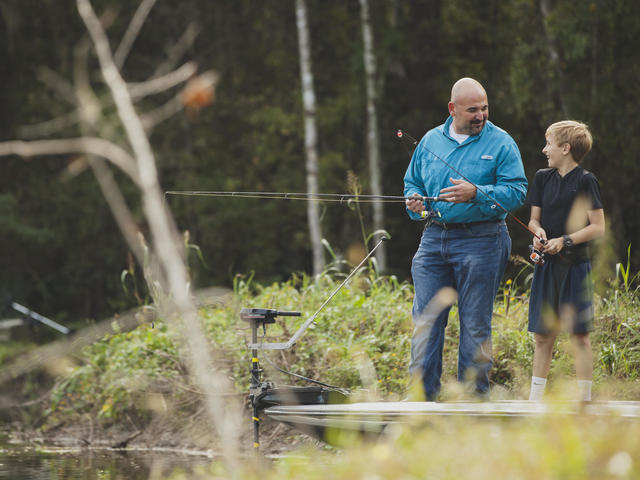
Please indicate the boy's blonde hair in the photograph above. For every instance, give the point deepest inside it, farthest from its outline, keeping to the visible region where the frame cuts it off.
(576, 134)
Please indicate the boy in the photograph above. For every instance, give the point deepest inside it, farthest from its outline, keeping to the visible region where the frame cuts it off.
(566, 212)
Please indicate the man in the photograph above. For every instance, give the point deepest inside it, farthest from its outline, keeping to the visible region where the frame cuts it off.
(476, 170)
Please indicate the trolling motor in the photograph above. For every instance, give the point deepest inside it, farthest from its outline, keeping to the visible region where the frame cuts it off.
(264, 394)
(259, 317)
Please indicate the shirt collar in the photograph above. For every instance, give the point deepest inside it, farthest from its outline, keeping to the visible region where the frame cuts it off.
(472, 138)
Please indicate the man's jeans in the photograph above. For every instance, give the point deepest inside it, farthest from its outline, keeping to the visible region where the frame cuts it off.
(471, 260)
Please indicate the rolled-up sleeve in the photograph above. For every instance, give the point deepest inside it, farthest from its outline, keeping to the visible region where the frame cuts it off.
(413, 182)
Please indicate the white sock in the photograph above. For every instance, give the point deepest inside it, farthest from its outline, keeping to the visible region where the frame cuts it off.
(584, 389)
(537, 388)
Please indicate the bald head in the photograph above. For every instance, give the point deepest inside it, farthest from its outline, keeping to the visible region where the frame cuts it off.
(466, 87)
(469, 106)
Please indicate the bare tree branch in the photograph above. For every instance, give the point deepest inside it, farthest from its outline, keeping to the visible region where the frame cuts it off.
(48, 127)
(90, 107)
(88, 145)
(163, 112)
(57, 83)
(224, 415)
(163, 83)
(118, 206)
(178, 49)
(132, 32)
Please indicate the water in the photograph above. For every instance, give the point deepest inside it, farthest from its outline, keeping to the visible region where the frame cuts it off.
(19, 463)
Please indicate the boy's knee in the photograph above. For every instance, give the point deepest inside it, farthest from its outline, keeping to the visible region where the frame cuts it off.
(544, 341)
(581, 340)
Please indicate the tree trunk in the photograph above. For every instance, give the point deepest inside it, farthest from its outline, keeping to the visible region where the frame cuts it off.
(554, 57)
(373, 138)
(310, 134)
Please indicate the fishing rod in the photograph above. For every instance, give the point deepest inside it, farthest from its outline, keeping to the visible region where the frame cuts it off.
(536, 256)
(325, 197)
(292, 341)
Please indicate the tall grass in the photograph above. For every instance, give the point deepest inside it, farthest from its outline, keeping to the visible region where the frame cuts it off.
(366, 327)
(361, 341)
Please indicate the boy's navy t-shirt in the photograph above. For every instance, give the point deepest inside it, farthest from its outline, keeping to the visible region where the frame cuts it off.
(556, 195)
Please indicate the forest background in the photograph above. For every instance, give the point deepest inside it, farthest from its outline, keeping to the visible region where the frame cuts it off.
(540, 60)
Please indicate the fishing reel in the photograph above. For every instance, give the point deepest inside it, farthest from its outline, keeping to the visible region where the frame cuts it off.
(429, 216)
(536, 256)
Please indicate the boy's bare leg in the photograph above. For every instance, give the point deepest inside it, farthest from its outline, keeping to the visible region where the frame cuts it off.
(541, 364)
(584, 364)
(542, 354)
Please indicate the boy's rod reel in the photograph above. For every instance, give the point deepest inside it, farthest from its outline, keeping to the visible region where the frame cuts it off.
(536, 256)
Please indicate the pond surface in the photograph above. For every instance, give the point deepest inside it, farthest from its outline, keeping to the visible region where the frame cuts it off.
(19, 463)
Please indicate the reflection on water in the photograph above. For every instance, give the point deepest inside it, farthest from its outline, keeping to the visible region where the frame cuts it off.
(21, 464)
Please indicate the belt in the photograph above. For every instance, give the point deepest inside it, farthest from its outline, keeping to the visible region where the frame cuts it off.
(451, 226)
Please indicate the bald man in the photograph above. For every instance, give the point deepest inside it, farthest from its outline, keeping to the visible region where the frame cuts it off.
(465, 244)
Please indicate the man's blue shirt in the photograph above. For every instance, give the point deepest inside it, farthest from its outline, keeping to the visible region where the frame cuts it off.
(490, 159)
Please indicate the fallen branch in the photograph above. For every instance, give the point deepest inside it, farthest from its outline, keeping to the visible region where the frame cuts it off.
(123, 444)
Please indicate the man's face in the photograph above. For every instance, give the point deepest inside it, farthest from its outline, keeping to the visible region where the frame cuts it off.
(470, 113)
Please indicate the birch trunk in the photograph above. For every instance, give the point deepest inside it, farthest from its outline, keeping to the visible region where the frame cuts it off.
(310, 134)
(373, 137)
(554, 56)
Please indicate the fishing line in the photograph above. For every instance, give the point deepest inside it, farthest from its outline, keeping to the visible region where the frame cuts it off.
(311, 380)
(401, 134)
(325, 197)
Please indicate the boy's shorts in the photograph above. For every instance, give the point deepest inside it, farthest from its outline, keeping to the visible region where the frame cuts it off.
(561, 298)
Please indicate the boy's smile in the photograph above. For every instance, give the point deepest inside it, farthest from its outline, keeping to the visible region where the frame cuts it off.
(556, 154)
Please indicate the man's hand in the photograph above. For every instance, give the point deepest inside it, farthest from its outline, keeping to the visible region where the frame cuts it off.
(461, 191)
(417, 205)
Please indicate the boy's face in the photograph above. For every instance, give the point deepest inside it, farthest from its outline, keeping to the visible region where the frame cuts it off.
(556, 154)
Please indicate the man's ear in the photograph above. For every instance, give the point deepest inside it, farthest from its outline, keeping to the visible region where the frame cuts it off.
(452, 109)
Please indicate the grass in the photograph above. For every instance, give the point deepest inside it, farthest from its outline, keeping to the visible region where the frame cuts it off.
(361, 341)
(366, 328)
(450, 449)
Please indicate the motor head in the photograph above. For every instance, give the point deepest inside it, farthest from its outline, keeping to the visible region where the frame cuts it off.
(264, 315)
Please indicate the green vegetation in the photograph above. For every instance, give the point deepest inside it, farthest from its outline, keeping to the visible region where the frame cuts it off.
(368, 324)
(447, 449)
(365, 328)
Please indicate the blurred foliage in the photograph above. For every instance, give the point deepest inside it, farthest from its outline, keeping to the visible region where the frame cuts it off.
(575, 60)
(138, 374)
(367, 323)
(552, 447)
